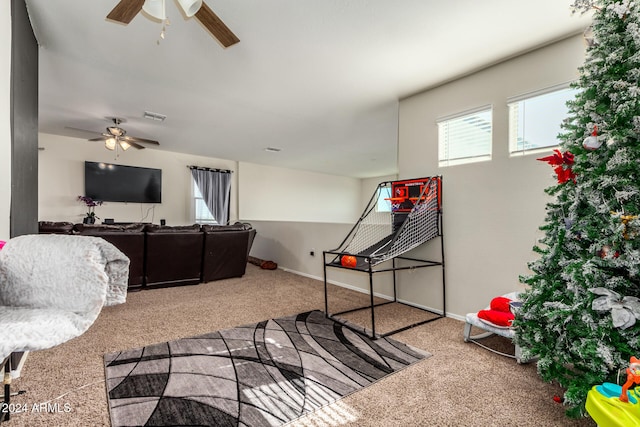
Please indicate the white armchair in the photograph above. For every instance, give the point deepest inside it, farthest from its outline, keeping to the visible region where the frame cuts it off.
(52, 289)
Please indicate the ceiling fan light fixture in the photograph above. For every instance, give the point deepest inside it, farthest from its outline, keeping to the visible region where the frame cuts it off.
(124, 145)
(116, 131)
(110, 144)
(190, 7)
(155, 8)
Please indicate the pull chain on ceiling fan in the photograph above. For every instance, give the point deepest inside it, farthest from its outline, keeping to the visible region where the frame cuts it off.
(126, 10)
(156, 8)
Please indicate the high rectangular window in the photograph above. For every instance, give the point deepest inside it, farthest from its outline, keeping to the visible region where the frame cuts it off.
(202, 215)
(384, 204)
(465, 137)
(535, 118)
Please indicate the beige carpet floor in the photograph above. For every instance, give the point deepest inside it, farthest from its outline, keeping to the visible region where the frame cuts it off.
(461, 385)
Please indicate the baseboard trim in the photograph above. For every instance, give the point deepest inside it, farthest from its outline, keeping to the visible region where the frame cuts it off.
(377, 294)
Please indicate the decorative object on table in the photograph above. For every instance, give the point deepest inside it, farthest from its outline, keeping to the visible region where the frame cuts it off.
(263, 374)
(90, 217)
(576, 343)
(610, 404)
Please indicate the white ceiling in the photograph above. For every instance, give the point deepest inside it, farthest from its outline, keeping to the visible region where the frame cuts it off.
(319, 79)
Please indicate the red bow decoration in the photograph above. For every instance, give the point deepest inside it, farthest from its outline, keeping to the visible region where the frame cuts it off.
(559, 160)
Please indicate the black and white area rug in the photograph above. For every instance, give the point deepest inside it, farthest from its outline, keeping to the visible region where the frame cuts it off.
(265, 374)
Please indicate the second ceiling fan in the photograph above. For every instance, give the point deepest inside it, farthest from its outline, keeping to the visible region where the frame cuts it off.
(126, 10)
(116, 137)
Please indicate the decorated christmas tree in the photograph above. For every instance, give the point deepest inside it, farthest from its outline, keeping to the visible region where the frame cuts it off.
(580, 314)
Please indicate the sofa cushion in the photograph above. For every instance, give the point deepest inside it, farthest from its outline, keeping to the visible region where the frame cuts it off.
(129, 239)
(173, 256)
(53, 227)
(221, 228)
(108, 228)
(225, 254)
(152, 228)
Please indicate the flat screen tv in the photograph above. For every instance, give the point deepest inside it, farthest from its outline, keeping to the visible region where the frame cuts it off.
(118, 183)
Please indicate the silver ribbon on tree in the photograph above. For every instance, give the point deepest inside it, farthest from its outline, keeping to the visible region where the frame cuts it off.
(624, 310)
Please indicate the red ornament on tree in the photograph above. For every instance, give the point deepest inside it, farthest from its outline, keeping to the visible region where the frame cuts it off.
(562, 163)
(606, 251)
(591, 142)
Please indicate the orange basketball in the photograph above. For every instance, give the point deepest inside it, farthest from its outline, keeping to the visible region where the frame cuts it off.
(349, 261)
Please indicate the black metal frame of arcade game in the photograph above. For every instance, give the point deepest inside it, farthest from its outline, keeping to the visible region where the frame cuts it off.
(415, 217)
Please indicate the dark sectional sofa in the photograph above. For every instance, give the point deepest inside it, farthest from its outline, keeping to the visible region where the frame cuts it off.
(163, 255)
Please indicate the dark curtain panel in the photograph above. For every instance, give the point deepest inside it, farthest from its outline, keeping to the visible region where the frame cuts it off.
(215, 186)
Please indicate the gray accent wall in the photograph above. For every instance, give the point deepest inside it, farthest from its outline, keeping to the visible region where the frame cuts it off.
(24, 123)
(5, 125)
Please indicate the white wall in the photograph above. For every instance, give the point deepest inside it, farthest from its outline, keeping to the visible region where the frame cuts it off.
(369, 185)
(492, 210)
(277, 194)
(290, 242)
(61, 181)
(294, 211)
(5, 124)
(286, 234)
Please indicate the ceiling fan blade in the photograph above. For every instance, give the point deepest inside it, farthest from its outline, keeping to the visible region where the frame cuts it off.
(131, 139)
(100, 138)
(215, 26)
(133, 144)
(125, 11)
(84, 131)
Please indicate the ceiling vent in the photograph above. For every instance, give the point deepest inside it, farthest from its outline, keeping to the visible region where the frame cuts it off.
(154, 116)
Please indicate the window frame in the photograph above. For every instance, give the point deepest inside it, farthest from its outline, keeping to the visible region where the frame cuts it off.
(195, 196)
(512, 143)
(382, 202)
(445, 161)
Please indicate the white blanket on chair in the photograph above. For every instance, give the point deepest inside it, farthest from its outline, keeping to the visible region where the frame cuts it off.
(52, 288)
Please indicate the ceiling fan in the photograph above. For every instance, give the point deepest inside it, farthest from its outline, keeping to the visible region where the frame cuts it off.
(116, 137)
(126, 10)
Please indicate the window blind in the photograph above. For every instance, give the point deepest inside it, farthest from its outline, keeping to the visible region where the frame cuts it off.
(535, 121)
(465, 138)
